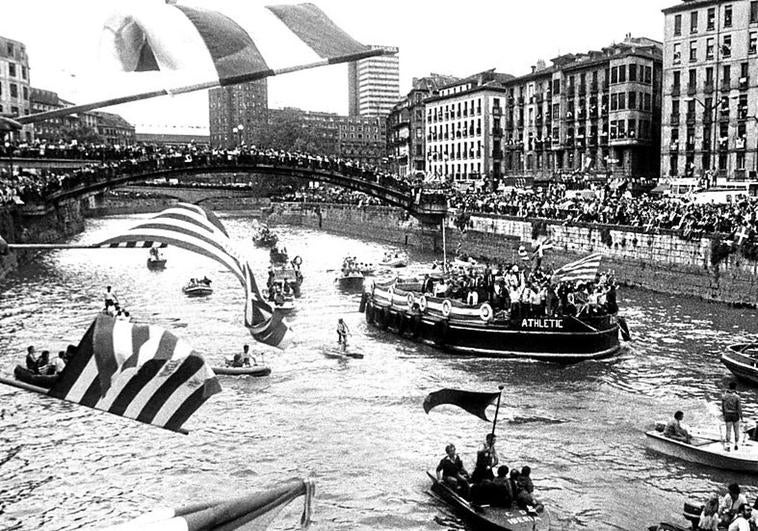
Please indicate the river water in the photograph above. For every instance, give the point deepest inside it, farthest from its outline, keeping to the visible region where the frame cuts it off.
(356, 427)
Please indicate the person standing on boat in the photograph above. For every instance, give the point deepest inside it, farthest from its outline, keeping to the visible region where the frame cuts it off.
(110, 296)
(674, 429)
(731, 407)
(246, 357)
(342, 332)
(486, 458)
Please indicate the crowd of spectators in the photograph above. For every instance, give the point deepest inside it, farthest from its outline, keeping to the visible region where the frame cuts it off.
(556, 201)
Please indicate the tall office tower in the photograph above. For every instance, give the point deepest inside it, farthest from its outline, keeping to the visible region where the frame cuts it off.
(243, 105)
(374, 84)
(15, 89)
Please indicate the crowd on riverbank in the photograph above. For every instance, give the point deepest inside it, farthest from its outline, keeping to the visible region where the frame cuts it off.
(607, 206)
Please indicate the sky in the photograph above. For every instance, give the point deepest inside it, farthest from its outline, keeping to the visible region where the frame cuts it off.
(441, 36)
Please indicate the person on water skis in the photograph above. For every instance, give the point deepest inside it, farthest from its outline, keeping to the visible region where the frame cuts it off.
(342, 332)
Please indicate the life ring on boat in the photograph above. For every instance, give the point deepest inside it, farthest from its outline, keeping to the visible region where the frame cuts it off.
(411, 300)
(422, 303)
(297, 261)
(447, 307)
(369, 313)
(485, 312)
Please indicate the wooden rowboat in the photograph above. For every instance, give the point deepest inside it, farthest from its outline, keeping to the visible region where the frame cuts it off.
(22, 374)
(494, 518)
(742, 360)
(255, 370)
(706, 449)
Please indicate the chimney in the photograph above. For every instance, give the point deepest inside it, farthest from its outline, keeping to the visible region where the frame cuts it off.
(534, 69)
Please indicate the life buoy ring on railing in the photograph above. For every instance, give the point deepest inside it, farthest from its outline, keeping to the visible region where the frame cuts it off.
(447, 307)
(297, 261)
(411, 301)
(422, 303)
(485, 312)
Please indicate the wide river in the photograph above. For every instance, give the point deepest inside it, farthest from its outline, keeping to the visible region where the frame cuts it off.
(356, 427)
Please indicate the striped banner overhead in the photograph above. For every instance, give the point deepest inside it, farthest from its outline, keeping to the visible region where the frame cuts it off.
(198, 230)
(175, 48)
(143, 373)
(584, 270)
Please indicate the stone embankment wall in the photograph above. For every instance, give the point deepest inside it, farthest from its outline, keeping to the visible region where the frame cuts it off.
(662, 262)
(37, 225)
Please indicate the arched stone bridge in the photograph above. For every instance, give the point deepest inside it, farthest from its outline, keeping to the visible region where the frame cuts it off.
(428, 207)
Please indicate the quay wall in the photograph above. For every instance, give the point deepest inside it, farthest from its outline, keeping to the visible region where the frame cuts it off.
(662, 262)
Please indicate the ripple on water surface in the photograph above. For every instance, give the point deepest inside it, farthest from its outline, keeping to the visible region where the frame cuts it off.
(355, 426)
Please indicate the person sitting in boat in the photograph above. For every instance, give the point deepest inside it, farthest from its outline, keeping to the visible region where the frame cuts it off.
(486, 458)
(503, 491)
(709, 516)
(43, 363)
(154, 253)
(70, 353)
(674, 429)
(731, 504)
(57, 365)
(31, 360)
(451, 471)
(110, 296)
(278, 296)
(247, 357)
(206, 281)
(473, 297)
(743, 520)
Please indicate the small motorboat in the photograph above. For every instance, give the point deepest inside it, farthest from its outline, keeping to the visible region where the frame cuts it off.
(394, 259)
(691, 513)
(487, 517)
(254, 370)
(198, 287)
(353, 273)
(263, 237)
(156, 261)
(22, 374)
(742, 360)
(707, 449)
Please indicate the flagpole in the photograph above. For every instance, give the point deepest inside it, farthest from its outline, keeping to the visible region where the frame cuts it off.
(43, 391)
(497, 408)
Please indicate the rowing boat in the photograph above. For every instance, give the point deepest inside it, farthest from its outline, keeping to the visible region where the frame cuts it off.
(22, 374)
(255, 370)
(706, 449)
(742, 360)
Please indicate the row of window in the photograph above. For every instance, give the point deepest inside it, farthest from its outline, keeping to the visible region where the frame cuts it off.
(13, 71)
(708, 79)
(14, 92)
(722, 159)
(727, 19)
(740, 140)
(710, 48)
(721, 110)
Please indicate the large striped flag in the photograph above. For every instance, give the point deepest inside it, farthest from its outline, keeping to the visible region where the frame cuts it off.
(143, 373)
(174, 48)
(584, 270)
(198, 230)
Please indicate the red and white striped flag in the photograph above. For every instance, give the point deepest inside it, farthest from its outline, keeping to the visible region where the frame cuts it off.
(584, 270)
(199, 231)
(143, 373)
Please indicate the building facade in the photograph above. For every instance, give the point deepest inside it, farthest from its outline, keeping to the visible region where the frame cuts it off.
(51, 130)
(595, 114)
(15, 88)
(463, 130)
(374, 84)
(406, 140)
(243, 105)
(114, 130)
(363, 139)
(710, 90)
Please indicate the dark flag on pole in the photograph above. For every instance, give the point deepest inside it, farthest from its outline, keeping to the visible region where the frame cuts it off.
(474, 403)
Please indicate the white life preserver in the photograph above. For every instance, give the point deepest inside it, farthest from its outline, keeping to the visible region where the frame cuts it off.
(485, 312)
(422, 303)
(411, 300)
(446, 307)
(297, 261)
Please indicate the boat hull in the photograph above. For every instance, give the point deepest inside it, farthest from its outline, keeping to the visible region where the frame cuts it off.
(572, 344)
(156, 264)
(22, 374)
(351, 282)
(742, 359)
(197, 291)
(243, 371)
(499, 519)
(707, 451)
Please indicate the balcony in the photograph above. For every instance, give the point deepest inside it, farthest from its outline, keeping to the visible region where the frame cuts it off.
(478, 110)
(674, 146)
(707, 118)
(497, 154)
(582, 90)
(740, 175)
(538, 122)
(674, 119)
(740, 144)
(570, 91)
(676, 90)
(520, 100)
(497, 132)
(723, 145)
(708, 88)
(690, 118)
(497, 111)
(744, 83)
(520, 124)
(593, 88)
(691, 89)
